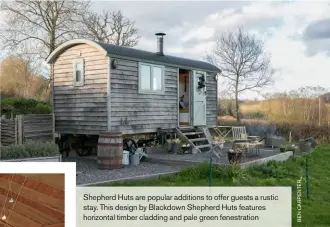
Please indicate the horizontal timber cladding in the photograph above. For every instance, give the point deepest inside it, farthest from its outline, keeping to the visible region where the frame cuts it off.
(211, 100)
(81, 110)
(132, 112)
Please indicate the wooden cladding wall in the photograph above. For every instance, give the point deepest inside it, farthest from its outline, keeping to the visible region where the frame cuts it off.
(27, 127)
(8, 132)
(132, 112)
(81, 110)
(211, 100)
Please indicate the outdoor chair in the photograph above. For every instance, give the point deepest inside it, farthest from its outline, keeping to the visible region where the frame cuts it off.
(254, 146)
(222, 131)
(274, 141)
(217, 150)
(239, 133)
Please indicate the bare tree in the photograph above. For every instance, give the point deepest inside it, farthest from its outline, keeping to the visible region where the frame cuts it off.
(109, 27)
(244, 63)
(19, 77)
(46, 24)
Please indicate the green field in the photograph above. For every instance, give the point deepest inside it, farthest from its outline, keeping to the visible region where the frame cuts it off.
(315, 210)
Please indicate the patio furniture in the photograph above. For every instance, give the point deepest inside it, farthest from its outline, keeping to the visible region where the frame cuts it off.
(253, 138)
(274, 141)
(256, 143)
(239, 133)
(223, 131)
(217, 149)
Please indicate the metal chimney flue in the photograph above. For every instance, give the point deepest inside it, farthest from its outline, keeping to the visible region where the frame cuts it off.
(160, 43)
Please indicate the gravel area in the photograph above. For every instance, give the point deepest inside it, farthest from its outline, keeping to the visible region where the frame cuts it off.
(91, 174)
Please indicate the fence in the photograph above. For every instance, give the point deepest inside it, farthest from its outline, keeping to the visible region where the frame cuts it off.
(27, 127)
(8, 132)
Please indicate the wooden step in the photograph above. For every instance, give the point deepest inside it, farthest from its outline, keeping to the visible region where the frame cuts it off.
(198, 139)
(192, 133)
(203, 146)
(187, 130)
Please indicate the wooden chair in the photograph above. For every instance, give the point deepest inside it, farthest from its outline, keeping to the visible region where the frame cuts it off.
(239, 133)
(217, 150)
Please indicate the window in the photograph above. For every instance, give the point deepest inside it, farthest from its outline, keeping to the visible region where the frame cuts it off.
(78, 72)
(151, 79)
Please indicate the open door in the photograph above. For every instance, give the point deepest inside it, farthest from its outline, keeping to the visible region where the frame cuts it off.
(198, 97)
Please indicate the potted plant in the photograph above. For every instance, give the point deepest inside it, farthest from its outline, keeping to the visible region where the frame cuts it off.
(175, 145)
(235, 155)
(307, 145)
(288, 147)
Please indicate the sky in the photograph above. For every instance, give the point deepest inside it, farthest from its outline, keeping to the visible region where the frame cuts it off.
(295, 33)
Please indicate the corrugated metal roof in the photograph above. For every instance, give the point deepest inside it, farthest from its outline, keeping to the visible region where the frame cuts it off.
(151, 56)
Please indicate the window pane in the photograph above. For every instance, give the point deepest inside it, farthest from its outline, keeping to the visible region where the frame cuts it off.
(157, 79)
(78, 75)
(79, 70)
(145, 77)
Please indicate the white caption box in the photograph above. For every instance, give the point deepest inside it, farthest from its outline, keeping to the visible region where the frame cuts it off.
(184, 206)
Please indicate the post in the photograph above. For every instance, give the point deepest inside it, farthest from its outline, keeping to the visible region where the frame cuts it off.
(0, 130)
(53, 123)
(319, 110)
(20, 129)
(307, 180)
(16, 131)
(210, 181)
(290, 137)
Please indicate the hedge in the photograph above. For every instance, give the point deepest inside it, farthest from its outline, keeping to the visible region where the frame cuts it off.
(23, 106)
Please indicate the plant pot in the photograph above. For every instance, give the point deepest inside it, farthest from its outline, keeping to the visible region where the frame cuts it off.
(305, 147)
(175, 147)
(186, 149)
(234, 157)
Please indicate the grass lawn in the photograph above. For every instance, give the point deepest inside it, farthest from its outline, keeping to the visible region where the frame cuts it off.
(315, 210)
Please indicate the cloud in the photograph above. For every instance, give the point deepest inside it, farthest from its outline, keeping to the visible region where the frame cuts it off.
(317, 37)
(296, 33)
(291, 31)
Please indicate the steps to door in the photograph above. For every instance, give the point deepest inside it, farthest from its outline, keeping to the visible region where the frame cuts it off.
(196, 137)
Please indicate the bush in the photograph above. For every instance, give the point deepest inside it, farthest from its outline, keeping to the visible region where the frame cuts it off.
(30, 149)
(23, 106)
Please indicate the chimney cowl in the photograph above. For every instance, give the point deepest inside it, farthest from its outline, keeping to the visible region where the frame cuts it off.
(160, 43)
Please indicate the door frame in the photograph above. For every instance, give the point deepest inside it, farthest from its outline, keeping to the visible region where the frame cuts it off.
(190, 74)
(191, 96)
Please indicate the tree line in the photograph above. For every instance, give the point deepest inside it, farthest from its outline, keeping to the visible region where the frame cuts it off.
(309, 104)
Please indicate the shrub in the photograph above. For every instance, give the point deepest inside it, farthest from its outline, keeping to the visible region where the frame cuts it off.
(24, 106)
(30, 149)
